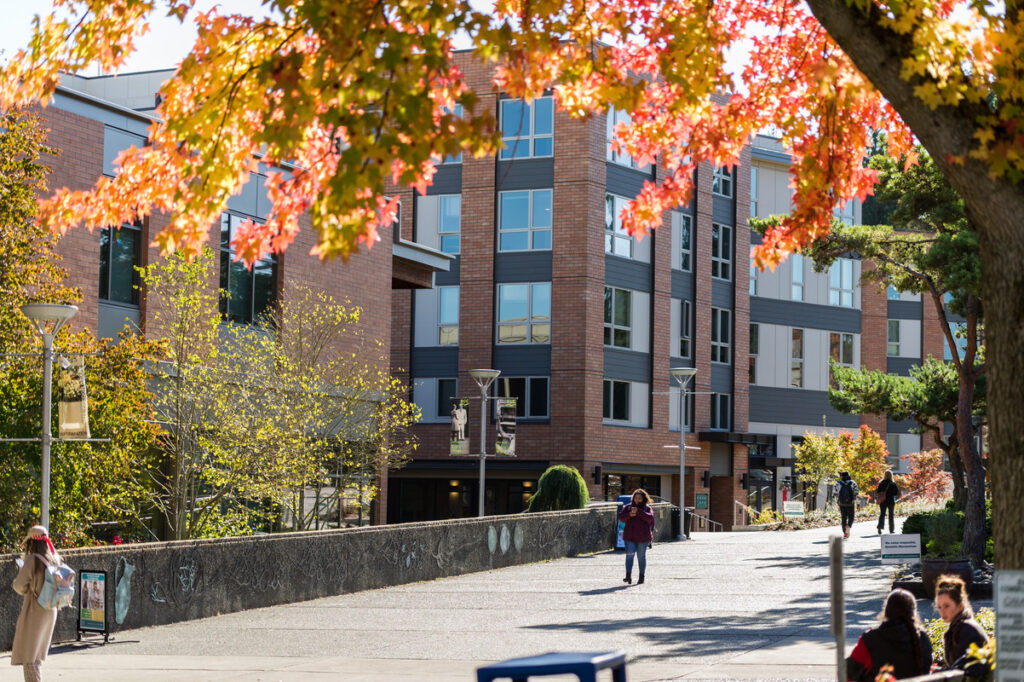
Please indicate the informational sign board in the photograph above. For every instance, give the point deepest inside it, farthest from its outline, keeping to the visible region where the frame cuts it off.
(702, 500)
(459, 441)
(92, 611)
(505, 444)
(901, 549)
(1009, 606)
(73, 406)
(793, 509)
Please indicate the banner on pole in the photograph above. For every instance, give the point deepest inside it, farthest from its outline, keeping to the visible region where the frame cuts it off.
(506, 441)
(458, 443)
(73, 406)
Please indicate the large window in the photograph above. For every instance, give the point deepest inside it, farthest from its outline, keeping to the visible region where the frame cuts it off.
(755, 348)
(892, 348)
(721, 184)
(797, 288)
(720, 412)
(120, 254)
(685, 223)
(753, 278)
(618, 311)
(250, 292)
(524, 220)
(531, 395)
(449, 222)
(721, 335)
(446, 390)
(673, 417)
(959, 332)
(448, 316)
(616, 239)
(753, 191)
(796, 367)
(840, 283)
(527, 129)
(721, 251)
(616, 401)
(622, 158)
(524, 313)
(685, 329)
(840, 347)
(457, 111)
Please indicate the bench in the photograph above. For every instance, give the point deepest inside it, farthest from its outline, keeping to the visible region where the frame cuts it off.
(583, 665)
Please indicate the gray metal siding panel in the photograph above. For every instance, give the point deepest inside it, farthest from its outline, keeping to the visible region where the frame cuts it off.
(522, 267)
(434, 362)
(97, 112)
(629, 274)
(755, 238)
(682, 285)
(769, 155)
(721, 378)
(627, 365)
(900, 427)
(623, 181)
(447, 180)
(723, 210)
(903, 310)
(450, 278)
(524, 174)
(806, 315)
(112, 319)
(722, 294)
(523, 360)
(796, 406)
(901, 366)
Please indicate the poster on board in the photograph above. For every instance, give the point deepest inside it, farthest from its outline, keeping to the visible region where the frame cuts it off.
(92, 611)
(458, 443)
(505, 444)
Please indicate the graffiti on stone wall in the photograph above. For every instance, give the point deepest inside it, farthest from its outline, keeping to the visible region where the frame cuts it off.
(504, 538)
(122, 589)
(181, 582)
(449, 551)
(255, 570)
(402, 550)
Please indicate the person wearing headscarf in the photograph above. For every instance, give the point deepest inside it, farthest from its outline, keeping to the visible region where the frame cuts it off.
(34, 630)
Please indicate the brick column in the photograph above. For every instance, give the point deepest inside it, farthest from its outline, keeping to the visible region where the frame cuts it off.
(873, 339)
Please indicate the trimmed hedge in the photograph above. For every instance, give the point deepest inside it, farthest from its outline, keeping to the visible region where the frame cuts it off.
(925, 523)
(560, 487)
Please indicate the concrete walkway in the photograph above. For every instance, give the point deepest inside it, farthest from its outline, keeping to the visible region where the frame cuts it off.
(721, 606)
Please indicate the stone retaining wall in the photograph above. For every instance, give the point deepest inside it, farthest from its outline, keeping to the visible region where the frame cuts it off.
(166, 582)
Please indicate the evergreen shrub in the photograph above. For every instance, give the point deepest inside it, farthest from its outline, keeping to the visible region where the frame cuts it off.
(560, 487)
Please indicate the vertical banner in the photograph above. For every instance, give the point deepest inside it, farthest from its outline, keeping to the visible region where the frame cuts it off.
(458, 443)
(73, 406)
(92, 613)
(506, 441)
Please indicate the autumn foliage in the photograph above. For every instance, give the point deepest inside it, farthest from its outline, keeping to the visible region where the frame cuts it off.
(926, 476)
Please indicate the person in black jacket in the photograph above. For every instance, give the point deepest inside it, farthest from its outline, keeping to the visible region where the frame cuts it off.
(953, 606)
(886, 495)
(899, 641)
(846, 493)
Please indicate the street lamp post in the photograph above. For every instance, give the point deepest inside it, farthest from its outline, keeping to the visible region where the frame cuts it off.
(483, 378)
(682, 375)
(47, 318)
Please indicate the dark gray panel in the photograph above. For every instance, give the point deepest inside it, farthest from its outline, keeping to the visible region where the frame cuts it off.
(901, 366)
(627, 365)
(796, 406)
(119, 118)
(903, 310)
(450, 278)
(116, 141)
(447, 180)
(113, 318)
(904, 426)
(807, 315)
(679, 362)
(524, 174)
(722, 294)
(723, 209)
(682, 285)
(755, 238)
(721, 378)
(626, 273)
(530, 266)
(523, 360)
(626, 182)
(434, 362)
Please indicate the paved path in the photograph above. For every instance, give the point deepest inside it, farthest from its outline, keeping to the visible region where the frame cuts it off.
(721, 606)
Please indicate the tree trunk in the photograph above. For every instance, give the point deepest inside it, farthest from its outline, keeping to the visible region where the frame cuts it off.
(956, 469)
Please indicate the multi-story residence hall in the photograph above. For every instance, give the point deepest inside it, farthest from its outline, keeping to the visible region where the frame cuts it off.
(584, 323)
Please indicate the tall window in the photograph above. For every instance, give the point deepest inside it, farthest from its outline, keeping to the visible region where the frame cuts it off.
(753, 278)
(720, 417)
(615, 406)
(618, 312)
(755, 343)
(616, 116)
(446, 390)
(959, 332)
(892, 348)
(721, 183)
(892, 444)
(673, 418)
(527, 129)
(531, 395)
(753, 191)
(685, 223)
(616, 239)
(840, 283)
(685, 328)
(796, 372)
(524, 220)
(891, 293)
(457, 111)
(250, 292)
(721, 251)
(840, 348)
(120, 254)
(449, 223)
(797, 290)
(524, 313)
(448, 316)
(721, 335)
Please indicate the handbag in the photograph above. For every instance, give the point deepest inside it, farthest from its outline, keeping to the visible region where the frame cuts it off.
(882, 495)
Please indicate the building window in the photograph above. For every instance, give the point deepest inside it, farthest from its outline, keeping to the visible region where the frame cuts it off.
(250, 292)
(448, 316)
(616, 239)
(892, 444)
(120, 254)
(685, 223)
(618, 317)
(892, 294)
(840, 347)
(524, 313)
(531, 394)
(721, 184)
(796, 372)
(616, 116)
(524, 221)
(673, 418)
(685, 328)
(797, 289)
(840, 283)
(720, 403)
(445, 393)
(721, 334)
(892, 348)
(753, 278)
(755, 342)
(753, 191)
(845, 213)
(449, 223)
(527, 129)
(959, 332)
(721, 251)
(457, 111)
(616, 401)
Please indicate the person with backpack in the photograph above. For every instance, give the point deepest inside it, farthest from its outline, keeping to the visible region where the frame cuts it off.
(846, 494)
(35, 623)
(886, 495)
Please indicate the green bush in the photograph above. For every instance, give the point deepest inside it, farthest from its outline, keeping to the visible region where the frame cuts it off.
(936, 628)
(945, 533)
(560, 487)
(927, 522)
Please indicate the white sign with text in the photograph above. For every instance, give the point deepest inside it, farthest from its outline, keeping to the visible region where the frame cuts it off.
(794, 508)
(901, 549)
(1009, 603)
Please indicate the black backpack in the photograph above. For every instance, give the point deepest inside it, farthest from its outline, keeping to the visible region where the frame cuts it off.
(846, 495)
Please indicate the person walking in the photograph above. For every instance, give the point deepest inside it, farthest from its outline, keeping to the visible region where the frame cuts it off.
(846, 495)
(899, 640)
(35, 623)
(886, 495)
(955, 609)
(638, 533)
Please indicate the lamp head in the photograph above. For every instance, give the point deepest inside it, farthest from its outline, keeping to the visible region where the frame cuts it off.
(48, 318)
(683, 374)
(484, 377)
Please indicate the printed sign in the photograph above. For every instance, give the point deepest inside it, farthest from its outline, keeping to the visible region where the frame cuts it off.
(459, 441)
(506, 441)
(793, 509)
(702, 500)
(73, 407)
(92, 614)
(1009, 604)
(901, 549)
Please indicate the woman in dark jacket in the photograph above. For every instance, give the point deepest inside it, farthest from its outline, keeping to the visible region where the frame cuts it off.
(899, 641)
(639, 519)
(886, 495)
(953, 606)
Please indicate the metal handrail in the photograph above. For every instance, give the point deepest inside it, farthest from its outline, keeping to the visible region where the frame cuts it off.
(706, 523)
